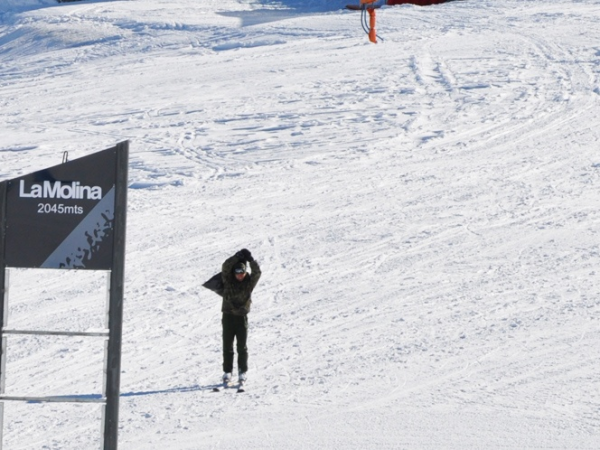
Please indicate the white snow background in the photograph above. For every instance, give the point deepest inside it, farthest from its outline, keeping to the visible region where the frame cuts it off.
(425, 212)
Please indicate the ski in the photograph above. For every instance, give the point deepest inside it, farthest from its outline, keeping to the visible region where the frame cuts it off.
(240, 388)
(224, 386)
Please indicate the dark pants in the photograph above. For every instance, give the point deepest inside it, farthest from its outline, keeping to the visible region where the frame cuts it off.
(235, 327)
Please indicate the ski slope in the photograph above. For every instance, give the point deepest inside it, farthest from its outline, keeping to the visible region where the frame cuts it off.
(425, 211)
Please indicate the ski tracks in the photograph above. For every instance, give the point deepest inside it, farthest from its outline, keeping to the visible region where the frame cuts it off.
(549, 87)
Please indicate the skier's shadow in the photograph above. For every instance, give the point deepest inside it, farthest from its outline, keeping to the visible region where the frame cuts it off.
(178, 390)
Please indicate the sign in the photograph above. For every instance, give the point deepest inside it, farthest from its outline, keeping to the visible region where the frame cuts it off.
(63, 217)
(71, 216)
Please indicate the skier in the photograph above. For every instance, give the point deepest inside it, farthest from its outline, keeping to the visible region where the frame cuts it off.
(238, 285)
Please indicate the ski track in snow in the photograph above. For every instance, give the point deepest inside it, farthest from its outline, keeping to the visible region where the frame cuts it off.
(425, 212)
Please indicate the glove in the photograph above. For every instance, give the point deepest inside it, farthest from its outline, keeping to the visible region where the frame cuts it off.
(245, 255)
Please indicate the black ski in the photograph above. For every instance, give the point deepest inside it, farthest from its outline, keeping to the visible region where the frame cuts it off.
(239, 390)
(225, 385)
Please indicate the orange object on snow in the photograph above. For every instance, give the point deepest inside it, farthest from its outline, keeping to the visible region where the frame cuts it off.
(372, 32)
(370, 6)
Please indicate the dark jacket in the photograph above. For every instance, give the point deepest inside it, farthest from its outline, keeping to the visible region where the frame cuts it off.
(237, 295)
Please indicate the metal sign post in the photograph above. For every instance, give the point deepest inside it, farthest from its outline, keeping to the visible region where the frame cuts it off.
(115, 318)
(70, 216)
(3, 303)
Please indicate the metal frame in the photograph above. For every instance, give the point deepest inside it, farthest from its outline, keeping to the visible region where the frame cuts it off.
(57, 333)
(99, 399)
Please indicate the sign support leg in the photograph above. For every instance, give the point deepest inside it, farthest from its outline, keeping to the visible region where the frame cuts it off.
(3, 299)
(115, 318)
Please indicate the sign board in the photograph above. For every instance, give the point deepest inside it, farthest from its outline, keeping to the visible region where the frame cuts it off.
(71, 216)
(63, 217)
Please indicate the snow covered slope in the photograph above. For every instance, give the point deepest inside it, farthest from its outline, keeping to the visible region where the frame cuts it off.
(425, 212)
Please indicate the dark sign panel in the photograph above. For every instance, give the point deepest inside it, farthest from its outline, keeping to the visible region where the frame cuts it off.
(63, 217)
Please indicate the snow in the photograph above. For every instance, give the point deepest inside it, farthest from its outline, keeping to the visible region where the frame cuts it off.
(425, 212)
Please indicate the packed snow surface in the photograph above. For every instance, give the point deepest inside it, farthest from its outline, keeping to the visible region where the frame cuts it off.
(426, 213)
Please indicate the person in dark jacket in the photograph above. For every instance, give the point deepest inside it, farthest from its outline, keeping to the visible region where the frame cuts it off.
(238, 285)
